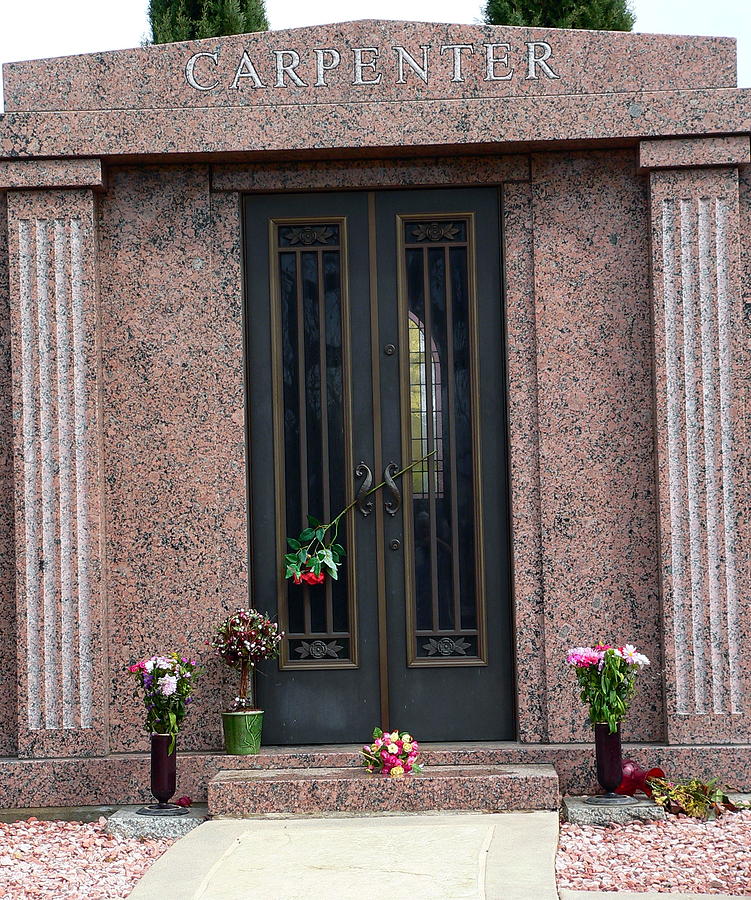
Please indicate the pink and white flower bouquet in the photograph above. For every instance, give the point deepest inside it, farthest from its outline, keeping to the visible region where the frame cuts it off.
(391, 753)
(166, 684)
(607, 676)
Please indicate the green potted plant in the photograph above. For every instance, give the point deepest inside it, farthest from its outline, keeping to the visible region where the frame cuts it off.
(244, 639)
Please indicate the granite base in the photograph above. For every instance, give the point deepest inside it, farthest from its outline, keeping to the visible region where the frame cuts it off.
(123, 779)
(577, 812)
(127, 823)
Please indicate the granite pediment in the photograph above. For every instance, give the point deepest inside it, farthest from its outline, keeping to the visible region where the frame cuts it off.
(367, 61)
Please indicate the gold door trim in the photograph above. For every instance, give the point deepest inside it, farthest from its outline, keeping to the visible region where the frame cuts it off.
(414, 661)
(278, 430)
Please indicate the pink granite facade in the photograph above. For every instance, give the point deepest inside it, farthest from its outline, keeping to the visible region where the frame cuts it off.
(626, 214)
(691, 153)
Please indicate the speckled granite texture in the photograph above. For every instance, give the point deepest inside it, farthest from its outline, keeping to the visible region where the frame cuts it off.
(313, 791)
(124, 185)
(691, 152)
(594, 398)
(375, 127)
(124, 779)
(57, 474)
(8, 728)
(441, 172)
(583, 61)
(51, 173)
(127, 823)
(174, 470)
(578, 812)
(701, 386)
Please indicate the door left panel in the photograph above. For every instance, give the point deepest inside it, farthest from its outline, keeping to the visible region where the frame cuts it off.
(310, 425)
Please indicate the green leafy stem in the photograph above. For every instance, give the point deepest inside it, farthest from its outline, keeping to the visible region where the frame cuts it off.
(316, 549)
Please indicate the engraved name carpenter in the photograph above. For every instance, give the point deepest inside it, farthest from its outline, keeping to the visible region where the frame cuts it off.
(429, 64)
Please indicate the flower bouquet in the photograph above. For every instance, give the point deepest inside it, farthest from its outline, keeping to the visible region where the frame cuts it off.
(607, 678)
(393, 753)
(244, 639)
(166, 685)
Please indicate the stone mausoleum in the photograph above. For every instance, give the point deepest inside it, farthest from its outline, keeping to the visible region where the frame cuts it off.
(245, 279)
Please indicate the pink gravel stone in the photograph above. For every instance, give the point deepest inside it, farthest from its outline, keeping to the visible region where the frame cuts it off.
(677, 855)
(71, 861)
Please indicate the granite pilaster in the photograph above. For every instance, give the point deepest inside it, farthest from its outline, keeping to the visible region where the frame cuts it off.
(701, 337)
(7, 537)
(59, 581)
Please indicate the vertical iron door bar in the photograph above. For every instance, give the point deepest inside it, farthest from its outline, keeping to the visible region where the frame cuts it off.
(326, 481)
(303, 416)
(375, 357)
(451, 382)
(428, 367)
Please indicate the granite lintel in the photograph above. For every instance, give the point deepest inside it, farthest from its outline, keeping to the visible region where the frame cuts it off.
(684, 153)
(496, 122)
(28, 174)
(371, 173)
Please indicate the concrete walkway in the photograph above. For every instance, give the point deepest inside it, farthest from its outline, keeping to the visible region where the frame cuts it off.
(450, 856)
(629, 895)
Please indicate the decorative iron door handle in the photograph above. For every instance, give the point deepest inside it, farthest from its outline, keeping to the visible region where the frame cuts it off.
(362, 501)
(394, 500)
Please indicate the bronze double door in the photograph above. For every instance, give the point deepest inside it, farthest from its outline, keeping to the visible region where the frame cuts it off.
(374, 338)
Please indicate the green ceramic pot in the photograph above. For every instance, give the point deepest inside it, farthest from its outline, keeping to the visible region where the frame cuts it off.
(242, 732)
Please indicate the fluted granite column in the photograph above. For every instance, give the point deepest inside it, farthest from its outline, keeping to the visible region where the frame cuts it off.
(53, 285)
(701, 340)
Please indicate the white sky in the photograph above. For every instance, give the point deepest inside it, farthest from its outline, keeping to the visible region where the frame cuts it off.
(42, 28)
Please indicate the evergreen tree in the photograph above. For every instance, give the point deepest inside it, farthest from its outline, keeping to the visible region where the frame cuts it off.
(186, 20)
(595, 15)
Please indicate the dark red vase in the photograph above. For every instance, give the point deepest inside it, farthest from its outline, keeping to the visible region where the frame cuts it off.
(163, 778)
(609, 762)
(163, 769)
(608, 757)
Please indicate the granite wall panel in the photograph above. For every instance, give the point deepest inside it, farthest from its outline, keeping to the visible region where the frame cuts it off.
(57, 479)
(8, 712)
(524, 461)
(701, 387)
(596, 450)
(173, 399)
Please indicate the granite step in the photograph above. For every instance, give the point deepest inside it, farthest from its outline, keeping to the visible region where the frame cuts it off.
(262, 792)
(338, 756)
